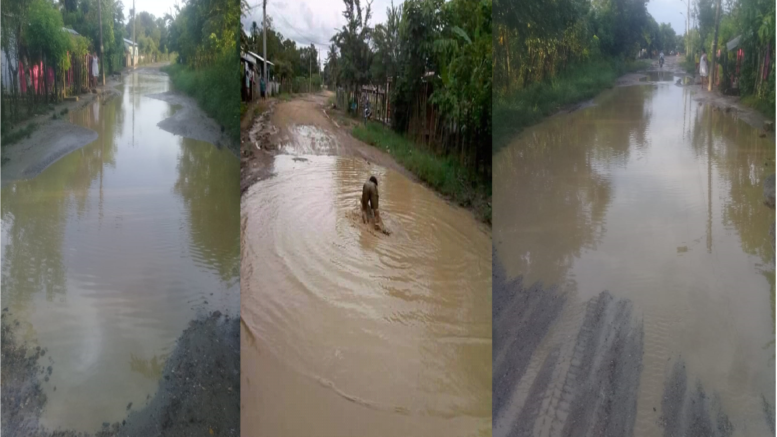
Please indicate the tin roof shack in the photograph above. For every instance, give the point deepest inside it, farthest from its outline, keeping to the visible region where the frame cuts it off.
(731, 62)
(251, 62)
(259, 65)
(130, 53)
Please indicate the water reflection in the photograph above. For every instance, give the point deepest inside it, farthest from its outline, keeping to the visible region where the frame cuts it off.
(657, 199)
(113, 249)
(332, 303)
(207, 181)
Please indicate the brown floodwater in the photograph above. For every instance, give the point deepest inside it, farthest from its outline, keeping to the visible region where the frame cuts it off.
(659, 200)
(348, 332)
(111, 251)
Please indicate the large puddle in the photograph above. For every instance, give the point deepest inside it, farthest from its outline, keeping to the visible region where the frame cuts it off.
(348, 332)
(658, 200)
(112, 250)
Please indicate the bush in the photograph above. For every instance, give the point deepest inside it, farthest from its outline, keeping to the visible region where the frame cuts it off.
(521, 109)
(216, 89)
(445, 174)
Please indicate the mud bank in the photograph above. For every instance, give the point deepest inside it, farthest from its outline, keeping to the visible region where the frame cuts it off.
(198, 395)
(586, 384)
(301, 126)
(256, 154)
(52, 139)
(588, 390)
(689, 411)
(47, 144)
(191, 122)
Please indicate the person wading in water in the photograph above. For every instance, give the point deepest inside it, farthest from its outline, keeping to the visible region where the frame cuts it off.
(370, 204)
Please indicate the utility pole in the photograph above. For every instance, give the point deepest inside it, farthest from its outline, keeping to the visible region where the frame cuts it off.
(714, 70)
(264, 41)
(310, 69)
(102, 62)
(134, 47)
(687, 27)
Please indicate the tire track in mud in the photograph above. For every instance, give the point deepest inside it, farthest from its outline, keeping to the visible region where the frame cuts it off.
(591, 388)
(521, 319)
(689, 411)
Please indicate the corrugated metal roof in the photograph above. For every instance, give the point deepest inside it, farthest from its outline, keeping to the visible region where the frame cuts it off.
(734, 43)
(259, 57)
(70, 31)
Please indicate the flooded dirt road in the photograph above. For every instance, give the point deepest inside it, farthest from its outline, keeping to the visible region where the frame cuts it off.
(634, 271)
(346, 331)
(111, 251)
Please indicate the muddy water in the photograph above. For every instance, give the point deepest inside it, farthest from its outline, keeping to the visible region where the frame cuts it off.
(350, 332)
(112, 250)
(658, 200)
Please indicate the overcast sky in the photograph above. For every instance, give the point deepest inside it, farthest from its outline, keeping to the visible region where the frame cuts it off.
(310, 21)
(157, 8)
(668, 11)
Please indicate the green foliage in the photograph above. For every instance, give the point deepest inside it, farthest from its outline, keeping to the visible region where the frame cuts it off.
(418, 30)
(352, 44)
(14, 136)
(204, 31)
(385, 37)
(756, 22)
(444, 174)
(214, 89)
(43, 35)
(524, 107)
(463, 58)
(537, 40)
(290, 61)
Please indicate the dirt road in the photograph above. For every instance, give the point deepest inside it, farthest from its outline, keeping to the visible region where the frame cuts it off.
(120, 279)
(633, 290)
(285, 126)
(328, 304)
(55, 136)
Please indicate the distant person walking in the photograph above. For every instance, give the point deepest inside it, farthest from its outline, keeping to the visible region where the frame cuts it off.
(703, 72)
(262, 87)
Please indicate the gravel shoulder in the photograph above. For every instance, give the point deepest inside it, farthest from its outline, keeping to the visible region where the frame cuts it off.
(199, 394)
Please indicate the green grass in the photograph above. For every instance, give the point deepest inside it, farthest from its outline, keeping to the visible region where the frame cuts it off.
(284, 96)
(444, 174)
(689, 65)
(761, 105)
(18, 134)
(525, 107)
(216, 89)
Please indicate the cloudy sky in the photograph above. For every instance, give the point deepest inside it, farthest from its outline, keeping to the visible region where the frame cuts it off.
(310, 21)
(157, 8)
(668, 11)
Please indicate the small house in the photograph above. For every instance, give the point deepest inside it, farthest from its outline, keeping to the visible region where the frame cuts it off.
(130, 53)
(731, 46)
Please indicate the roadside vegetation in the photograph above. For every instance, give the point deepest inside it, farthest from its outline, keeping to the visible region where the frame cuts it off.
(554, 54)
(296, 67)
(444, 174)
(436, 57)
(535, 101)
(203, 33)
(430, 54)
(754, 22)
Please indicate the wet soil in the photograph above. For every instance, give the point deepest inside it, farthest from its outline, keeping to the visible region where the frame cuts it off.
(191, 122)
(613, 314)
(198, 396)
(592, 389)
(276, 127)
(53, 138)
